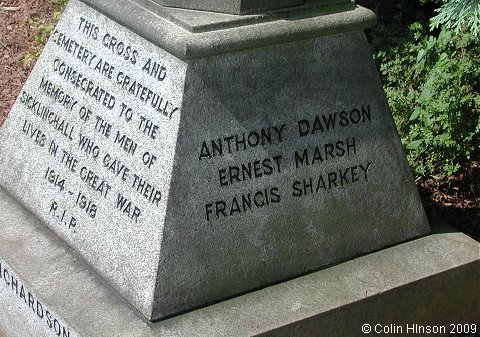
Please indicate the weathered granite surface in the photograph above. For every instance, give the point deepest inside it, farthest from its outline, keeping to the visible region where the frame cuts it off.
(184, 182)
(431, 281)
(231, 6)
(217, 33)
(87, 150)
(294, 153)
(245, 6)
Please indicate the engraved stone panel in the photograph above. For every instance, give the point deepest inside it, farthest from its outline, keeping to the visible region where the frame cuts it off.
(90, 142)
(287, 160)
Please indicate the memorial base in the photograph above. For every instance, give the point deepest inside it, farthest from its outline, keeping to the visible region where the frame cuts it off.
(189, 157)
(431, 282)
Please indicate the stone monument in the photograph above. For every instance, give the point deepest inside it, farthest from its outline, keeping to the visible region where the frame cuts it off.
(189, 152)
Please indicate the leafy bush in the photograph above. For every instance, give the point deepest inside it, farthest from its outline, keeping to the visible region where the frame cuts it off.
(459, 15)
(432, 84)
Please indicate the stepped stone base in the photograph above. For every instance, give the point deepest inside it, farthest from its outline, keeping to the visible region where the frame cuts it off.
(46, 290)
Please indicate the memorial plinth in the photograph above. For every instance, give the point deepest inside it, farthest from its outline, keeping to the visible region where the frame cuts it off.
(190, 156)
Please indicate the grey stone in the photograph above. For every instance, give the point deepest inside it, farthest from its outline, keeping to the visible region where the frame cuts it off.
(431, 281)
(223, 33)
(246, 6)
(232, 6)
(184, 182)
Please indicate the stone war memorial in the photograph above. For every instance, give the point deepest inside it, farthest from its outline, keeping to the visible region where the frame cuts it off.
(217, 168)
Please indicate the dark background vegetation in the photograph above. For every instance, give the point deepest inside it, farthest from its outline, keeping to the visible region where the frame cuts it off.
(431, 78)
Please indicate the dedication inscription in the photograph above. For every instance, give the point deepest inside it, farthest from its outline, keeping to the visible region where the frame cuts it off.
(183, 183)
(90, 142)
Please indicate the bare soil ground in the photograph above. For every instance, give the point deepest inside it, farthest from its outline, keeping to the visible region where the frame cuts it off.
(17, 38)
(454, 200)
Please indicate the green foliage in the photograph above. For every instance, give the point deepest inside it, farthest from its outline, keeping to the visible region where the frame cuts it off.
(432, 85)
(59, 6)
(43, 30)
(458, 16)
(30, 57)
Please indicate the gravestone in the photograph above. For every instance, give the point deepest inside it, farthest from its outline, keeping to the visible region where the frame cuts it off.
(191, 156)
